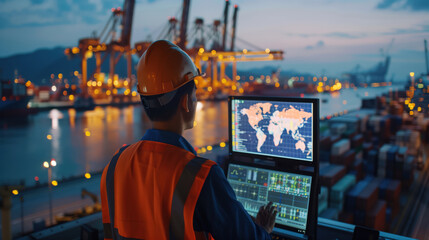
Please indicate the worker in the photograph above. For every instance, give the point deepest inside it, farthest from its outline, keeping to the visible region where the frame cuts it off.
(157, 188)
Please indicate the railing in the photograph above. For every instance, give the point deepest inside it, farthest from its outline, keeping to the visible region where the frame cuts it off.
(91, 228)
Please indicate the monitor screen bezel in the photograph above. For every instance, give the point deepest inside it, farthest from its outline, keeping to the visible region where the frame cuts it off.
(311, 219)
(315, 117)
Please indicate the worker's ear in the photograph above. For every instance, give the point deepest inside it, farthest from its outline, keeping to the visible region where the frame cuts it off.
(185, 103)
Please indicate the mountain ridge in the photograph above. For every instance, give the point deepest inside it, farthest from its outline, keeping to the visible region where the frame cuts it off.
(37, 66)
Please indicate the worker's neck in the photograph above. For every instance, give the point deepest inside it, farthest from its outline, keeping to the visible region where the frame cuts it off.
(172, 125)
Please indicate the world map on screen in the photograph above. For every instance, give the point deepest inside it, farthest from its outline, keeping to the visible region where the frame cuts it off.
(273, 128)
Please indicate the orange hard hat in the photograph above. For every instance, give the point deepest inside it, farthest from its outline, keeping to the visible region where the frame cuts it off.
(163, 68)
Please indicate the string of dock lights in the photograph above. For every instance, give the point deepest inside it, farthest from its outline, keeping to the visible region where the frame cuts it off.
(209, 148)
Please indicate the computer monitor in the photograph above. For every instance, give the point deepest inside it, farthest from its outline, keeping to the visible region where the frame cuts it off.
(290, 192)
(274, 128)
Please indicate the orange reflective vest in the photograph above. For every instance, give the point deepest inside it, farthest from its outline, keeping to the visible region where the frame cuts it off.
(149, 190)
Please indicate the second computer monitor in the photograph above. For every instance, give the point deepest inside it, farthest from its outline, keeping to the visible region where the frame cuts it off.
(289, 192)
(274, 128)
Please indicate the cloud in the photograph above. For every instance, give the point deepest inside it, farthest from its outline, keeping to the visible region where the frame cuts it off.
(343, 35)
(24, 13)
(386, 4)
(412, 5)
(399, 31)
(319, 44)
(331, 34)
(36, 2)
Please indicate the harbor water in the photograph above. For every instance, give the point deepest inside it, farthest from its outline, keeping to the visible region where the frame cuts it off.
(84, 142)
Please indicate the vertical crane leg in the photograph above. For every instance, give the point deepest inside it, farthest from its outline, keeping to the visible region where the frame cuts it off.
(129, 68)
(222, 71)
(112, 67)
(234, 72)
(84, 76)
(209, 71)
(97, 62)
(215, 78)
(129, 86)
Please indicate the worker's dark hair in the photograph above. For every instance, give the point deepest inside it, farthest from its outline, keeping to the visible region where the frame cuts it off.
(164, 113)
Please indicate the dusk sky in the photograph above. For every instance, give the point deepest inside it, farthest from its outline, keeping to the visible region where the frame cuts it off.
(330, 36)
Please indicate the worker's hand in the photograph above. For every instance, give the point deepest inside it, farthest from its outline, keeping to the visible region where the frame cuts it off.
(266, 217)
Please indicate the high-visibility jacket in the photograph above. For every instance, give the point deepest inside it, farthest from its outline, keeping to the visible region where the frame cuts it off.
(149, 191)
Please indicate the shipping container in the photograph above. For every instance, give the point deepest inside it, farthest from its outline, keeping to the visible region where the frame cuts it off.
(330, 213)
(345, 159)
(351, 123)
(368, 196)
(358, 169)
(341, 187)
(340, 147)
(382, 160)
(376, 217)
(323, 199)
(338, 128)
(331, 174)
(367, 146)
(350, 204)
(357, 141)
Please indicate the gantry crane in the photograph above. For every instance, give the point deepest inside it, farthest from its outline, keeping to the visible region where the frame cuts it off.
(212, 58)
(215, 58)
(110, 44)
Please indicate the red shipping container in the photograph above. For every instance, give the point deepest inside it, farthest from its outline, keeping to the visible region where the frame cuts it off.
(368, 135)
(330, 175)
(376, 217)
(393, 191)
(357, 141)
(346, 217)
(333, 140)
(325, 143)
(345, 159)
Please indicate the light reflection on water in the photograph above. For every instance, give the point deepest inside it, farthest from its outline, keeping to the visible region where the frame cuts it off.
(25, 146)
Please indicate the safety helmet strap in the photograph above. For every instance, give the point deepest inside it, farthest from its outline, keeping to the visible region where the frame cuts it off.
(158, 102)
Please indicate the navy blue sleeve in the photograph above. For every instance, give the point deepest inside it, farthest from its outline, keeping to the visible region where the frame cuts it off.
(220, 213)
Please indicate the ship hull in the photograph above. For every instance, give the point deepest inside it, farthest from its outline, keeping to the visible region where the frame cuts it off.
(14, 107)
